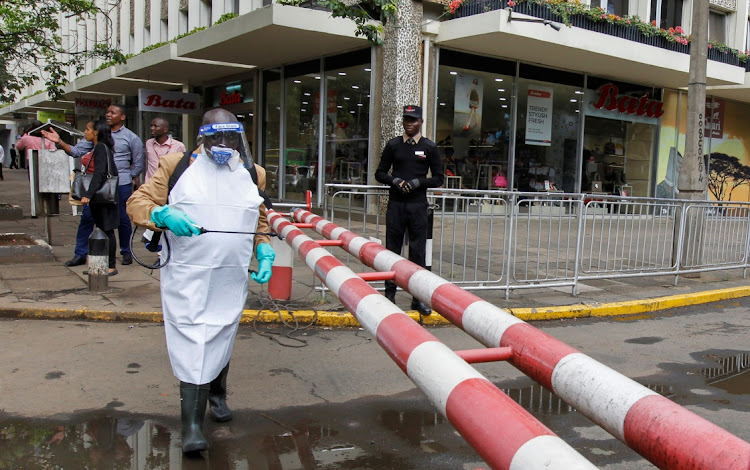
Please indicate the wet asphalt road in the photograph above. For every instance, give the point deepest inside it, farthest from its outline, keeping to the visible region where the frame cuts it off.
(96, 395)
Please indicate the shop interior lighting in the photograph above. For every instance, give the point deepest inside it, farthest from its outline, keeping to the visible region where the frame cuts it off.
(360, 104)
(298, 81)
(504, 106)
(307, 94)
(303, 110)
(317, 77)
(498, 79)
(346, 98)
(351, 112)
(453, 73)
(339, 106)
(304, 102)
(501, 89)
(579, 92)
(574, 100)
(503, 99)
(368, 70)
(442, 104)
(355, 87)
(549, 23)
(342, 73)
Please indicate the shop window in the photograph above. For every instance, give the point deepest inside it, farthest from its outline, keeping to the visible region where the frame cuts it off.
(717, 27)
(302, 91)
(619, 137)
(347, 118)
(472, 127)
(747, 36)
(547, 136)
(614, 7)
(667, 13)
(271, 129)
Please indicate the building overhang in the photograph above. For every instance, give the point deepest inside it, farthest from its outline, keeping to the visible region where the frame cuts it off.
(271, 36)
(732, 92)
(577, 49)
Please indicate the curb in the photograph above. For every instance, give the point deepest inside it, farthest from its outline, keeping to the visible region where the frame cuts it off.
(346, 319)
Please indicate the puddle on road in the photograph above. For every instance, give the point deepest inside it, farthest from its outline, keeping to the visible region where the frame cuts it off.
(364, 434)
(732, 373)
(369, 433)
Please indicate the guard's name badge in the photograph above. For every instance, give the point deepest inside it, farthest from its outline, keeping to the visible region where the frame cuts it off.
(419, 153)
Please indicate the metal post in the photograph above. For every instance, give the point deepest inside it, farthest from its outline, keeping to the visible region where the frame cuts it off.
(98, 261)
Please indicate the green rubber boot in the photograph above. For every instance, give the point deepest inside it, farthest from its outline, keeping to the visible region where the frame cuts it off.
(193, 400)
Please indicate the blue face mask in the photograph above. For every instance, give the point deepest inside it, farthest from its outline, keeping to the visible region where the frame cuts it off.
(222, 155)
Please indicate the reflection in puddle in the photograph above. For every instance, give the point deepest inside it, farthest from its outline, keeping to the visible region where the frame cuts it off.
(731, 374)
(355, 435)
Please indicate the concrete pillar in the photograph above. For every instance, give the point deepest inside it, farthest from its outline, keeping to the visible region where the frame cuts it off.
(402, 67)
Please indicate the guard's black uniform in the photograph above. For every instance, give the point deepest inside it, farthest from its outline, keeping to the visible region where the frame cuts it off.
(408, 212)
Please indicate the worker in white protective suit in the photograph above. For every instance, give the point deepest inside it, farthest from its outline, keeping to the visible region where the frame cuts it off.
(204, 285)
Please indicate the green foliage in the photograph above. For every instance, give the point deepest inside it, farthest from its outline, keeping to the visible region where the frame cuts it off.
(31, 48)
(565, 10)
(226, 17)
(365, 14)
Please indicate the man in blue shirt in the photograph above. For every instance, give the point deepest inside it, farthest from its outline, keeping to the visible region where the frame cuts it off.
(129, 159)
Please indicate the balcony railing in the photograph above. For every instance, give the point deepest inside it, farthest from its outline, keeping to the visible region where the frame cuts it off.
(631, 33)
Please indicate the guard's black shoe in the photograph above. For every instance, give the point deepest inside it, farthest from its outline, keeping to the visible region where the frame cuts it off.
(127, 258)
(76, 261)
(421, 307)
(390, 296)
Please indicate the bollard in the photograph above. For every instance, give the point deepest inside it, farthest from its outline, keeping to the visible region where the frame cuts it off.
(98, 261)
(280, 285)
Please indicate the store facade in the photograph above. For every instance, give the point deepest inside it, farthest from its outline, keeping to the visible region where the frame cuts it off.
(504, 124)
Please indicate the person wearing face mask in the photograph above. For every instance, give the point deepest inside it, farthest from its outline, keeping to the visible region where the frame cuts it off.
(205, 284)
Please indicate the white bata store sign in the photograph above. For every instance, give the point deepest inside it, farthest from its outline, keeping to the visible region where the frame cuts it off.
(539, 116)
(168, 102)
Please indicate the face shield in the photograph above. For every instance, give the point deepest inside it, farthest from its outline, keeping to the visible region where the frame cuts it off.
(225, 142)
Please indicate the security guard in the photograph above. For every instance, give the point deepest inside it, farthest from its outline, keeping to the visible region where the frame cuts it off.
(410, 156)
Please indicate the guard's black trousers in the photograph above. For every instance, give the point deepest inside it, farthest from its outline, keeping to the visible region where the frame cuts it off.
(411, 218)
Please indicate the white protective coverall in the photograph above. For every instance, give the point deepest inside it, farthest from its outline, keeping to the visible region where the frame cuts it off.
(205, 284)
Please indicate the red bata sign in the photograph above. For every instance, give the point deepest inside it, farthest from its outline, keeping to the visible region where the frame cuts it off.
(611, 100)
(168, 102)
(230, 98)
(540, 93)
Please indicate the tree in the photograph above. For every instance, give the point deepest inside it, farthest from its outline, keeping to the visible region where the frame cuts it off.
(32, 48)
(726, 174)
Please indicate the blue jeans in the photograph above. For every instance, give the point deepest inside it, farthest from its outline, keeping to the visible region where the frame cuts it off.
(86, 225)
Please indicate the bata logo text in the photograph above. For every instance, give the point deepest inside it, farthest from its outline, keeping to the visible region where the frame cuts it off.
(610, 99)
(157, 101)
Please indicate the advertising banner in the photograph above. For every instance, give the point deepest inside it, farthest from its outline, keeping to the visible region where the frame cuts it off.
(539, 116)
(715, 118)
(467, 109)
(168, 102)
(54, 115)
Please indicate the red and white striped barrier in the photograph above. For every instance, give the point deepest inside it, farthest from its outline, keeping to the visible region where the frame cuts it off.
(663, 432)
(500, 430)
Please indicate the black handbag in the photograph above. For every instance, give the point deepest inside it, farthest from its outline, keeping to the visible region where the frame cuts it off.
(107, 194)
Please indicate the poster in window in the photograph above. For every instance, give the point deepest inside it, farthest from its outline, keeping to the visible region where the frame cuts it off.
(539, 116)
(467, 115)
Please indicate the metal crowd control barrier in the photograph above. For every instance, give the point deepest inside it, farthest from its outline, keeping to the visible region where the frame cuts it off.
(512, 240)
(501, 431)
(665, 433)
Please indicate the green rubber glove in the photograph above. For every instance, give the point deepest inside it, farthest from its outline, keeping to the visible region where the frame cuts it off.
(175, 220)
(265, 256)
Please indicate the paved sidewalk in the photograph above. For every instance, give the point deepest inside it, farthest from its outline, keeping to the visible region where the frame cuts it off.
(49, 289)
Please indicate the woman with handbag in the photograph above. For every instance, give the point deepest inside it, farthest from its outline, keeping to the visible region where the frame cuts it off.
(106, 214)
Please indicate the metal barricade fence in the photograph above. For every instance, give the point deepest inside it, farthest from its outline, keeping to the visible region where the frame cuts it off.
(506, 240)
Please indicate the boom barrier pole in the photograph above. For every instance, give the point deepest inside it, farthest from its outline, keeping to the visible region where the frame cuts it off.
(504, 434)
(665, 433)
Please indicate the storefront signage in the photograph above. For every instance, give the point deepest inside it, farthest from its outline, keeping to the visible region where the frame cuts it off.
(168, 102)
(539, 116)
(44, 116)
(715, 118)
(610, 99)
(92, 106)
(230, 98)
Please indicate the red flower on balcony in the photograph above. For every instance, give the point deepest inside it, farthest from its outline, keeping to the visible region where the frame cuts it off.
(511, 3)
